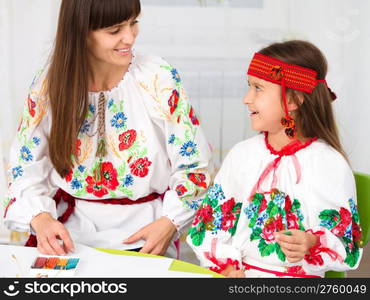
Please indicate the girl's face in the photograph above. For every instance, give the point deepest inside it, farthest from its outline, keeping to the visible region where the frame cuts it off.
(264, 103)
(112, 46)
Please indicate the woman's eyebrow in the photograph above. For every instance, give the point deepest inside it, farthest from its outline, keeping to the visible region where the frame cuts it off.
(118, 25)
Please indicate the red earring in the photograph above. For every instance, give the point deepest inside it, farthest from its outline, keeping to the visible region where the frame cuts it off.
(289, 125)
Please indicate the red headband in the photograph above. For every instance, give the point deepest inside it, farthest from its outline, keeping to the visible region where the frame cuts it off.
(291, 76)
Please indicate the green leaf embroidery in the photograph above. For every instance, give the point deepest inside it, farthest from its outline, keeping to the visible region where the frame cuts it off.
(280, 252)
(233, 229)
(80, 192)
(121, 170)
(266, 249)
(125, 191)
(352, 258)
(197, 235)
(256, 234)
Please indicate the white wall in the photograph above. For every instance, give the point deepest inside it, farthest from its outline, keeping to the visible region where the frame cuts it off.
(210, 46)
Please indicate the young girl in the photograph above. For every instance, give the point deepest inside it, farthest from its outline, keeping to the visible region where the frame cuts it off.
(284, 202)
(109, 152)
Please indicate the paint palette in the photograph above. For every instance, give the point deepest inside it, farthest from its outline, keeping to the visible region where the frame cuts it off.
(54, 266)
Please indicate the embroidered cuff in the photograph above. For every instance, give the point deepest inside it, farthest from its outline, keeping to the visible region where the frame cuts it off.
(221, 266)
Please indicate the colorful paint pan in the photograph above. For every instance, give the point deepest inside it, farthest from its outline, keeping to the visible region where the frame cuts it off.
(72, 263)
(39, 262)
(56, 263)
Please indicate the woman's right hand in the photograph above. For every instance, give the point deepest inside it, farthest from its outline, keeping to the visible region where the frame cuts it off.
(48, 231)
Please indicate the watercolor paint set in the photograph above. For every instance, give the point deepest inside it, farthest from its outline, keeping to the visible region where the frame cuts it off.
(54, 266)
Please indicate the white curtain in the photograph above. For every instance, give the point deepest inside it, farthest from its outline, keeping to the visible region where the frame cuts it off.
(210, 42)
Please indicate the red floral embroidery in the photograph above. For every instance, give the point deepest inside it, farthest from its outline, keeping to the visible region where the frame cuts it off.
(127, 139)
(31, 106)
(198, 179)
(8, 205)
(109, 176)
(228, 217)
(95, 188)
(181, 190)
(356, 232)
(345, 220)
(78, 149)
(292, 218)
(263, 205)
(193, 117)
(69, 175)
(204, 214)
(173, 101)
(140, 167)
(272, 226)
(296, 270)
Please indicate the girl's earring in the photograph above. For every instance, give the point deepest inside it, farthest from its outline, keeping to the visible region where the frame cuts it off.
(289, 125)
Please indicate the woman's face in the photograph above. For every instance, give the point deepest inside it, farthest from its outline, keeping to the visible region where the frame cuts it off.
(112, 46)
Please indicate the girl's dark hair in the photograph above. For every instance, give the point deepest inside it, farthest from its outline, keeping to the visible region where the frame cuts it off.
(67, 77)
(314, 116)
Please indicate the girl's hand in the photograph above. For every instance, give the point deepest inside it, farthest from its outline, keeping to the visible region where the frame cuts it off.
(48, 231)
(157, 236)
(296, 245)
(231, 272)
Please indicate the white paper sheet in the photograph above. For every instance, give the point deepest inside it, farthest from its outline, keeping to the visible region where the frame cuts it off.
(15, 261)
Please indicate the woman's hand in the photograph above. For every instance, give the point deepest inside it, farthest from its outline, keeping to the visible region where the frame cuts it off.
(48, 231)
(231, 272)
(296, 245)
(157, 236)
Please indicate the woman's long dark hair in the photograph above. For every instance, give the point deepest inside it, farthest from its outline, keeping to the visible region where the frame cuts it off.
(314, 116)
(67, 77)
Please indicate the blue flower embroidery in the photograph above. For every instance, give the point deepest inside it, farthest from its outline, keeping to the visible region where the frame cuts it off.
(118, 120)
(348, 232)
(352, 206)
(81, 168)
(188, 149)
(215, 192)
(217, 222)
(175, 75)
(129, 180)
(36, 140)
(85, 127)
(191, 166)
(75, 184)
(261, 219)
(17, 172)
(194, 205)
(171, 139)
(92, 108)
(26, 154)
(250, 210)
(279, 199)
(110, 103)
(326, 223)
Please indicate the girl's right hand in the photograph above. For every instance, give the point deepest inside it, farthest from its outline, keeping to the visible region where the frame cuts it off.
(48, 231)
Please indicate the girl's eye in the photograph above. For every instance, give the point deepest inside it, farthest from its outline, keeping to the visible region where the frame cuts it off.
(134, 22)
(258, 88)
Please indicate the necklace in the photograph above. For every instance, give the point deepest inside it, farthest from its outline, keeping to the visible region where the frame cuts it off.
(101, 150)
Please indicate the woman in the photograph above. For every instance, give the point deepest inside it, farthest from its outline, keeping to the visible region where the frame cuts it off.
(109, 152)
